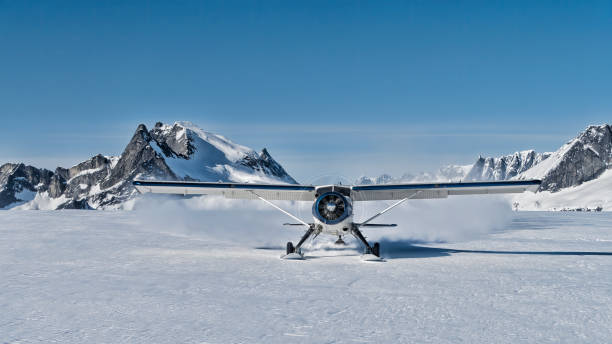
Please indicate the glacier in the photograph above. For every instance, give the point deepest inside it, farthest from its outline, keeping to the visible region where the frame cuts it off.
(77, 276)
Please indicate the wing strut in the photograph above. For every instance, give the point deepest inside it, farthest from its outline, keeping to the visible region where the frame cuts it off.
(389, 208)
(279, 208)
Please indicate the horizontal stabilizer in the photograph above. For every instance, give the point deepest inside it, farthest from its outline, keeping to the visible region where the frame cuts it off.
(377, 225)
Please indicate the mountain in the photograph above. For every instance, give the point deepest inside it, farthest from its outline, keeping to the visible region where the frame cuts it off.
(593, 195)
(504, 167)
(582, 159)
(181, 151)
(577, 176)
(483, 169)
(447, 174)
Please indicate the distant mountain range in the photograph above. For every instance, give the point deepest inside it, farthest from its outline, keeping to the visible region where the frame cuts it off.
(181, 151)
(578, 176)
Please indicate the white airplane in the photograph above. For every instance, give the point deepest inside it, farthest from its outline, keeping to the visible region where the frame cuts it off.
(332, 207)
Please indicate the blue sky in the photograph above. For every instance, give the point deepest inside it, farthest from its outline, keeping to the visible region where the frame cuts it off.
(329, 87)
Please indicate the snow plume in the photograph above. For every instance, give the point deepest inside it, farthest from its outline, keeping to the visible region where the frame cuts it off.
(439, 220)
(256, 224)
(244, 222)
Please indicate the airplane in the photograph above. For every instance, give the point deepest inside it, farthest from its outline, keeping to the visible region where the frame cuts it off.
(332, 207)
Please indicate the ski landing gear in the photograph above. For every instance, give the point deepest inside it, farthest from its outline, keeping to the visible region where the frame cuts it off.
(371, 253)
(295, 252)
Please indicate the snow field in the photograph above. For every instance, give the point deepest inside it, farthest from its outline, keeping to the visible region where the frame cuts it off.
(94, 276)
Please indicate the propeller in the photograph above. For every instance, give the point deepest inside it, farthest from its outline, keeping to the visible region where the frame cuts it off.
(331, 207)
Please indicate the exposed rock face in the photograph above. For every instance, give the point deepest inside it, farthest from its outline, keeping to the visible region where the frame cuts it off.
(175, 141)
(195, 154)
(178, 152)
(57, 186)
(19, 183)
(265, 164)
(582, 159)
(138, 159)
(505, 167)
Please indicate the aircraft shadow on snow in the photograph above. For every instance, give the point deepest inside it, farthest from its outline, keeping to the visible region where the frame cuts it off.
(402, 249)
(410, 249)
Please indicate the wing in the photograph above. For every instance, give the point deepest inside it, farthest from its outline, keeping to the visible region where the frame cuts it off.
(290, 192)
(439, 190)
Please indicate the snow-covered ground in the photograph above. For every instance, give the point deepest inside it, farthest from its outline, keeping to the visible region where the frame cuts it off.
(595, 194)
(117, 277)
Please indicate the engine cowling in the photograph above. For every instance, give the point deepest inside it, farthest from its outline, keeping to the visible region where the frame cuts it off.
(332, 208)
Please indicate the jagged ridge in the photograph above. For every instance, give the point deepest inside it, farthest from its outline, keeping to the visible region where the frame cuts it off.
(582, 159)
(172, 152)
(505, 167)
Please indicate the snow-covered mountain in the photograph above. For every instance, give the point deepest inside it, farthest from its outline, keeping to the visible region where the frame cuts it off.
(181, 151)
(582, 159)
(483, 169)
(576, 176)
(447, 174)
(593, 195)
(504, 167)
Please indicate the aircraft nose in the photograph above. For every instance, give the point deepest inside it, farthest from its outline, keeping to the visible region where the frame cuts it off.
(330, 206)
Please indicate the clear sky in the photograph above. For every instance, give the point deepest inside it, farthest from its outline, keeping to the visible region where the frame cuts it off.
(330, 87)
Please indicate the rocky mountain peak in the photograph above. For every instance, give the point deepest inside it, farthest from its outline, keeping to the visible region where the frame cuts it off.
(195, 154)
(181, 151)
(174, 141)
(138, 158)
(264, 155)
(597, 135)
(504, 167)
(20, 182)
(581, 159)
